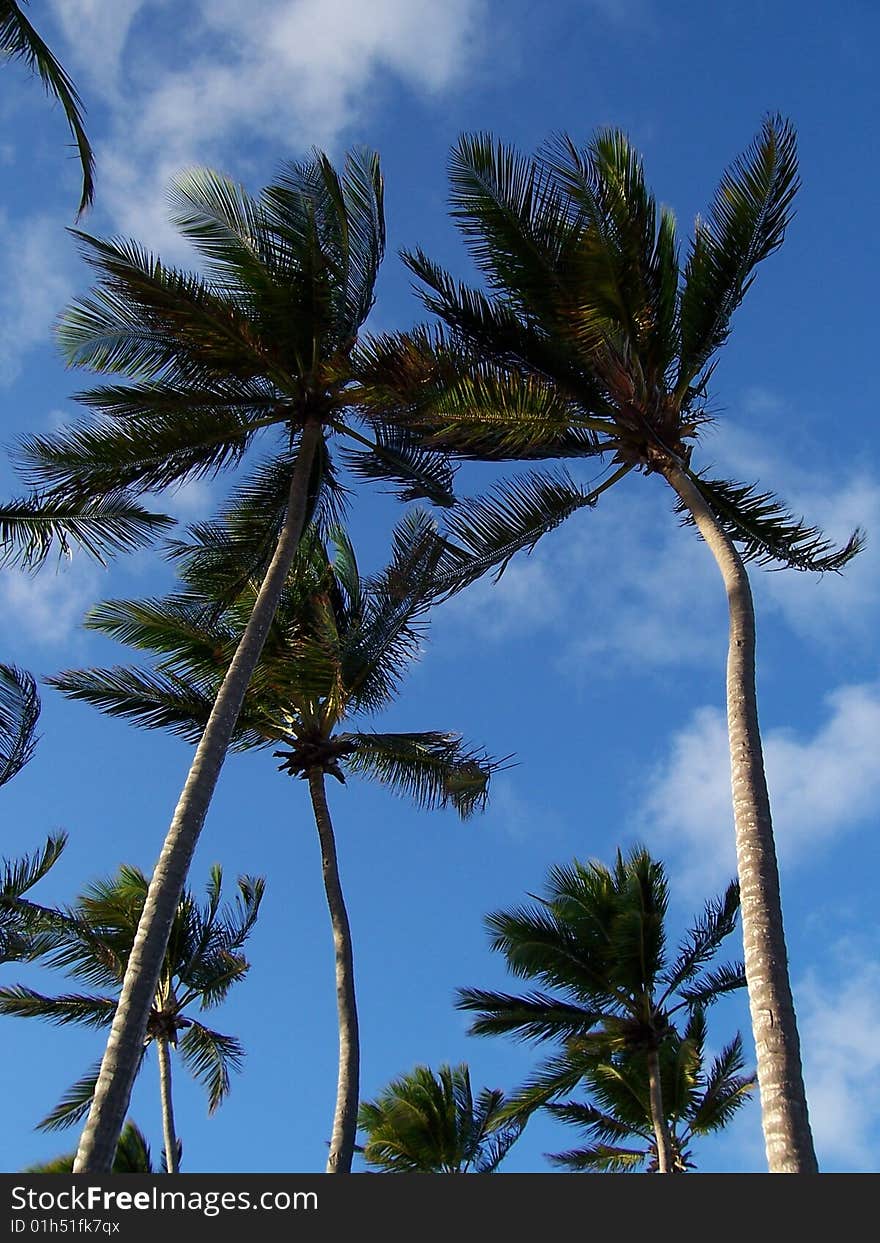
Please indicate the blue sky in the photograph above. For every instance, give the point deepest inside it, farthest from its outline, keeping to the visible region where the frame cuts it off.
(599, 660)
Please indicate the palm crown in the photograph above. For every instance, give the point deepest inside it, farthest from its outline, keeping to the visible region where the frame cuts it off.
(427, 1123)
(591, 339)
(597, 942)
(203, 961)
(338, 648)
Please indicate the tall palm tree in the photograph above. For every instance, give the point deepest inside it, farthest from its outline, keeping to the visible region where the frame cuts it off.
(202, 962)
(595, 341)
(698, 1100)
(598, 942)
(427, 1123)
(262, 342)
(132, 1156)
(336, 652)
(19, 41)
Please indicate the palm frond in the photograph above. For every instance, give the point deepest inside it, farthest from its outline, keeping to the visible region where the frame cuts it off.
(704, 938)
(89, 1011)
(766, 531)
(31, 526)
(209, 1057)
(19, 714)
(18, 39)
(74, 1104)
(433, 769)
(746, 223)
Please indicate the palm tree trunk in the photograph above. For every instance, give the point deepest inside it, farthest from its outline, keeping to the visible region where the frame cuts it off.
(787, 1136)
(344, 1132)
(167, 1105)
(658, 1118)
(121, 1058)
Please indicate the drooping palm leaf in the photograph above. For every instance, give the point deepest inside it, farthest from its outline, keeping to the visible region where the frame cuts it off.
(19, 714)
(19, 40)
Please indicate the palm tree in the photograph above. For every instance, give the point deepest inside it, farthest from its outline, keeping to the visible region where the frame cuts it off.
(20, 41)
(337, 649)
(262, 342)
(201, 964)
(593, 340)
(132, 1156)
(598, 942)
(697, 1100)
(424, 1123)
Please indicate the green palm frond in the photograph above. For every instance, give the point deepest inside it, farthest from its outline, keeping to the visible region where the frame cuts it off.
(600, 1159)
(23, 1002)
(766, 531)
(153, 701)
(132, 1156)
(397, 456)
(28, 930)
(533, 1016)
(725, 1091)
(19, 40)
(209, 1057)
(714, 984)
(703, 939)
(74, 1104)
(19, 714)
(432, 769)
(31, 526)
(20, 875)
(746, 223)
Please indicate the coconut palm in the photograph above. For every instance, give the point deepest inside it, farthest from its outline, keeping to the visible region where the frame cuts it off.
(597, 941)
(595, 341)
(698, 1100)
(335, 653)
(260, 343)
(427, 1123)
(201, 964)
(19, 41)
(132, 1156)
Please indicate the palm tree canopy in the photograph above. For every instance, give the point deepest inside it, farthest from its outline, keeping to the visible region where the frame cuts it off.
(202, 962)
(609, 985)
(427, 1123)
(19, 40)
(698, 1099)
(592, 338)
(261, 342)
(338, 648)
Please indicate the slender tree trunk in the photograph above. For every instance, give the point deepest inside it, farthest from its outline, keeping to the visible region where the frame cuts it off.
(658, 1118)
(121, 1058)
(342, 1140)
(168, 1130)
(787, 1136)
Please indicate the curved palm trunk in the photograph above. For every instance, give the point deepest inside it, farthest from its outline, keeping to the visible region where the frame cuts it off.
(122, 1056)
(168, 1131)
(344, 1133)
(787, 1136)
(658, 1120)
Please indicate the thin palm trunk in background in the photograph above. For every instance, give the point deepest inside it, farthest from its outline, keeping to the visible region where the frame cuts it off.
(342, 1140)
(658, 1118)
(787, 1135)
(119, 1066)
(168, 1131)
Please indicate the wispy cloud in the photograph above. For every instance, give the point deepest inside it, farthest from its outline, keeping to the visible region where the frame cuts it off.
(821, 786)
(839, 1016)
(45, 609)
(300, 74)
(36, 262)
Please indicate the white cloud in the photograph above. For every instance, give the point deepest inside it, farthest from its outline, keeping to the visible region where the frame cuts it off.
(820, 787)
(838, 1019)
(36, 260)
(299, 76)
(46, 608)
